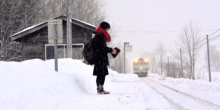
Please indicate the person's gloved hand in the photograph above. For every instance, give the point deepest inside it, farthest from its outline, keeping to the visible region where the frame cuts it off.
(113, 51)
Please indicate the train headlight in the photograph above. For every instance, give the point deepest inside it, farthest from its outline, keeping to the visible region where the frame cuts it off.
(136, 60)
(146, 60)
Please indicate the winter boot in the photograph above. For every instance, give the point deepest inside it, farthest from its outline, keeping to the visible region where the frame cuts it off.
(99, 90)
(102, 91)
(105, 92)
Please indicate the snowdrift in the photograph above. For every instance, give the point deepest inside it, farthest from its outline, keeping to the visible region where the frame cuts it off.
(34, 85)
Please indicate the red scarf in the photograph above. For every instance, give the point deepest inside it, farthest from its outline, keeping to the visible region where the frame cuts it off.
(107, 36)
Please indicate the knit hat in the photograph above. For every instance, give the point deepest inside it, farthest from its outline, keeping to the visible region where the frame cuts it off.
(105, 25)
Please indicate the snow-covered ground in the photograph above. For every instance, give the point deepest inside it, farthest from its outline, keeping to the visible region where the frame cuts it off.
(199, 90)
(34, 85)
(202, 89)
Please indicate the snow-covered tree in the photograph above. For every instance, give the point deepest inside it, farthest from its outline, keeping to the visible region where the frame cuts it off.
(15, 15)
(189, 42)
(19, 14)
(157, 59)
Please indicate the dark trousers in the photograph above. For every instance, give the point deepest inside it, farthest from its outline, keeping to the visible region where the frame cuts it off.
(100, 80)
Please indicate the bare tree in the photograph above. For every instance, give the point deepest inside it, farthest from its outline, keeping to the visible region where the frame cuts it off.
(157, 60)
(15, 15)
(172, 68)
(90, 11)
(154, 64)
(29, 11)
(189, 42)
(19, 14)
(9, 22)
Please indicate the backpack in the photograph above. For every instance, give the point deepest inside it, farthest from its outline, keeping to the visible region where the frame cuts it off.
(89, 53)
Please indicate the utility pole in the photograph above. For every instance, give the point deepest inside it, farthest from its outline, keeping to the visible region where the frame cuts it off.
(208, 57)
(125, 44)
(168, 66)
(54, 27)
(161, 64)
(55, 36)
(124, 57)
(69, 30)
(181, 64)
(55, 47)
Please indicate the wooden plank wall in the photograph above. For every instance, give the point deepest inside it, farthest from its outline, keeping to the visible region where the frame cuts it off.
(34, 44)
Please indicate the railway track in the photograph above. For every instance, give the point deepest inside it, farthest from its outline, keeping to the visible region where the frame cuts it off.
(180, 100)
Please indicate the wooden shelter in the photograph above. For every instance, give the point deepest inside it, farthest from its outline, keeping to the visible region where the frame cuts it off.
(35, 41)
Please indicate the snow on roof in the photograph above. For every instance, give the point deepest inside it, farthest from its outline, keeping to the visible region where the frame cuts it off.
(84, 22)
(31, 27)
(28, 28)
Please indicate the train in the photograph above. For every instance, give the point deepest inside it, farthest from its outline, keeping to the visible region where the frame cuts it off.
(141, 66)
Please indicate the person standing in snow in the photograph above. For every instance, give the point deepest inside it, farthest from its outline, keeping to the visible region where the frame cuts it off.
(101, 60)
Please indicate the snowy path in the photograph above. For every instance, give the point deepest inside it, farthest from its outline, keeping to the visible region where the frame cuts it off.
(180, 100)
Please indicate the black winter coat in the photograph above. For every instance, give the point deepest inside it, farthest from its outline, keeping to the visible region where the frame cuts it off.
(101, 50)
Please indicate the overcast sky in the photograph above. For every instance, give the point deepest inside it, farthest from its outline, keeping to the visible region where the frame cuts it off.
(146, 23)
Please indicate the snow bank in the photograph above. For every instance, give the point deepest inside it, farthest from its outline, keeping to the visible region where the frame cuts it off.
(34, 85)
(30, 85)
